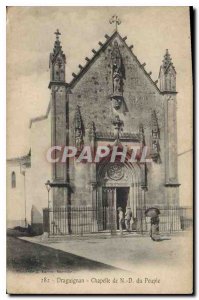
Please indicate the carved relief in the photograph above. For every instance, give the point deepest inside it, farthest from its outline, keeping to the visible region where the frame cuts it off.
(116, 103)
(104, 135)
(115, 174)
(115, 171)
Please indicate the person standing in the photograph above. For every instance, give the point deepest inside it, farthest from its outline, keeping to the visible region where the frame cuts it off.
(154, 234)
(128, 217)
(121, 219)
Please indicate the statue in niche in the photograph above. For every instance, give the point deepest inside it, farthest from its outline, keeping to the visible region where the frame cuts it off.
(116, 57)
(117, 75)
(117, 84)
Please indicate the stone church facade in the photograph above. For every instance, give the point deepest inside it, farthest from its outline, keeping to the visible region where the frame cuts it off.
(112, 101)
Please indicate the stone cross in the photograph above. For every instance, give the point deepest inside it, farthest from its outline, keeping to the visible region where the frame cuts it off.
(116, 20)
(57, 33)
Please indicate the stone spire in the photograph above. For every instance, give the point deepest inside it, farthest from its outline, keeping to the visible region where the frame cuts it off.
(57, 44)
(167, 60)
(57, 61)
(167, 74)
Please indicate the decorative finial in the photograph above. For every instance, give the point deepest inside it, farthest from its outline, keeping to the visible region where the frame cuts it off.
(116, 20)
(167, 59)
(57, 33)
(57, 43)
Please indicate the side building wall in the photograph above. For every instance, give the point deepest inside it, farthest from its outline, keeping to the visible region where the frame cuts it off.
(40, 171)
(15, 196)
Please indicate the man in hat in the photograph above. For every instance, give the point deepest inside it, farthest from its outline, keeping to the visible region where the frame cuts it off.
(121, 219)
(128, 216)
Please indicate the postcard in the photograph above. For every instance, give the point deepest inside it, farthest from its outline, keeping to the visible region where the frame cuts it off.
(99, 150)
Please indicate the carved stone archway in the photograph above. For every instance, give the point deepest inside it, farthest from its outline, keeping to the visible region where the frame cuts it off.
(111, 176)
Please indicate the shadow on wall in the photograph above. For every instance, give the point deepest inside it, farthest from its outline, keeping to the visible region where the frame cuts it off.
(36, 220)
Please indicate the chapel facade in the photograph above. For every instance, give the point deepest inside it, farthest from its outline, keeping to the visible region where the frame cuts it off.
(114, 101)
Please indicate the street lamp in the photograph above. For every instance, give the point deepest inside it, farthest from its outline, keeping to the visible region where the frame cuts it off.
(46, 212)
(48, 187)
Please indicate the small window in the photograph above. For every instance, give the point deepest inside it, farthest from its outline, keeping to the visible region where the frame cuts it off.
(13, 180)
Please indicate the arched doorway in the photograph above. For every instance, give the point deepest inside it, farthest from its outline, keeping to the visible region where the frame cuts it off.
(118, 185)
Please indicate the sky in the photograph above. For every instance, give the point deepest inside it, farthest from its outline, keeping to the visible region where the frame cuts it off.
(30, 39)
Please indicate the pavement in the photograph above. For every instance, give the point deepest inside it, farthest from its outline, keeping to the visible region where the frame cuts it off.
(124, 252)
(27, 256)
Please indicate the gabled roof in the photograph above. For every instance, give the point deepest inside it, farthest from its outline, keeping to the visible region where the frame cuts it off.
(57, 49)
(22, 160)
(103, 46)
